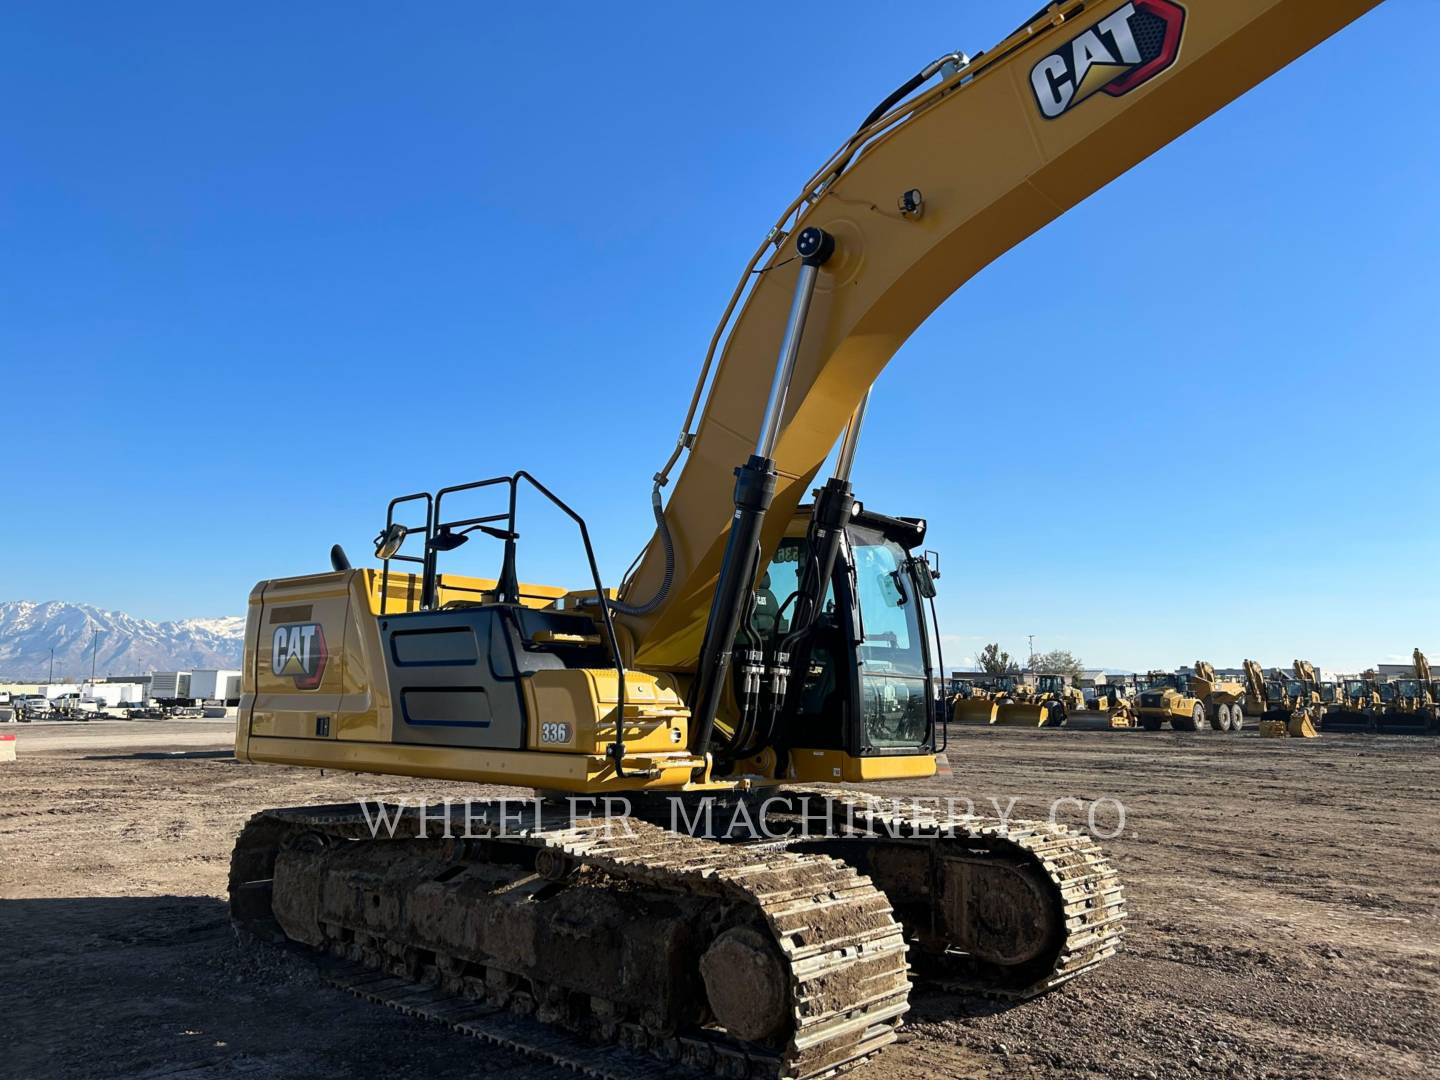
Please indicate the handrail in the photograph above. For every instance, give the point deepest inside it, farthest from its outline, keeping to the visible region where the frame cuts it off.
(389, 522)
(508, 590)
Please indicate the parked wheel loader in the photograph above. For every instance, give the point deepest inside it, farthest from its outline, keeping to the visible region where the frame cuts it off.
(975, 706)
(791, 954)
(1047, 703)
(1111, 710)
(1191, 702)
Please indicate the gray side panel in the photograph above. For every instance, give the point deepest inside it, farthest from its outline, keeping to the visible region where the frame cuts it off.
(452, 678)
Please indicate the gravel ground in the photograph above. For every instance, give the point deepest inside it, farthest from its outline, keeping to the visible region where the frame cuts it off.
(1284, 897)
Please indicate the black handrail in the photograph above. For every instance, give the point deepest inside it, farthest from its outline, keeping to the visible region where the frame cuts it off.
(424, 561)
(508, 588)
(942, 719)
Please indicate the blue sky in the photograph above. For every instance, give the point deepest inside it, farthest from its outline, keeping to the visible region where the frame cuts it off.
(267, 265)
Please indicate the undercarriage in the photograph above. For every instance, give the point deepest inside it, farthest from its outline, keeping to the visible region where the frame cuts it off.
(783, 956)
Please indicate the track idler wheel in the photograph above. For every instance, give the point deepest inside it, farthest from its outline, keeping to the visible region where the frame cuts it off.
(745, 984)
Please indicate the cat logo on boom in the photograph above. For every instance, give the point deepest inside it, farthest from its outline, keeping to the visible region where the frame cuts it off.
(298, 651)
(1125, 49)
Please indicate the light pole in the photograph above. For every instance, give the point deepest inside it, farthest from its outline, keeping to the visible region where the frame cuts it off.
(94, 647)
(52, 667)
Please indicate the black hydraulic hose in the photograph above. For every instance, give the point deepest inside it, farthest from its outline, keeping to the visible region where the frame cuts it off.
(899, 94)
(662, 529)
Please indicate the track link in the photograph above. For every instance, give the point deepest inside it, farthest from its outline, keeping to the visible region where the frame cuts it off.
(1088, 900)
(843, 952)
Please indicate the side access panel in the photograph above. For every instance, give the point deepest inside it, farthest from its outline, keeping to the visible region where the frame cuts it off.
(453, 679)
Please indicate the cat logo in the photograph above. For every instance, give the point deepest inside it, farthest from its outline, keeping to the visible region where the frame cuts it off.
(298, 651)
(1120, 52)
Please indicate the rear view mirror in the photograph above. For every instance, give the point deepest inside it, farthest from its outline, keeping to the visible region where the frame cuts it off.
(388, 543)
(924, 578)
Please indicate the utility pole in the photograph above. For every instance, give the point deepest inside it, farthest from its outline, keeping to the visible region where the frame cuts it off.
(94, 646)
(52, 666)
(1031, 664)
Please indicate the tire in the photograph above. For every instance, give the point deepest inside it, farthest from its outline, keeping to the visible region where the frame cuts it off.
(1220, 718)
(1237, 717)
(1150, 723)
(1191, 722)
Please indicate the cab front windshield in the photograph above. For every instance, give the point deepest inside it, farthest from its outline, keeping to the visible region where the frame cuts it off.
(892, 648)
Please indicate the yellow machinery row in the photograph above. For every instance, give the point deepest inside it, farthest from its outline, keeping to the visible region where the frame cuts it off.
(1299, 705)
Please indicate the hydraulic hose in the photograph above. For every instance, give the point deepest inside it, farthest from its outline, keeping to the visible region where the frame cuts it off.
(662, 529)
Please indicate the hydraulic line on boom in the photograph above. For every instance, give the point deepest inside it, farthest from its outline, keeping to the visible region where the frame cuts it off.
(754, 489)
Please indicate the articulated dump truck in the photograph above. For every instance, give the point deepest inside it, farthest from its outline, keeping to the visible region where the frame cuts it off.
(1191, 702)
(771, 652)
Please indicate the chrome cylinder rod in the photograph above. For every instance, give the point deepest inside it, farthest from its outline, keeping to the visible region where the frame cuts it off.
(814, 246)
(851, 439)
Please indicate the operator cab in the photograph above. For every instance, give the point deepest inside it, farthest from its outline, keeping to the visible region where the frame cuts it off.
(871, 688)
(1050, 684)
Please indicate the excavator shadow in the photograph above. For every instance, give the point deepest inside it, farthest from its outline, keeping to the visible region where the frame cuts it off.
(148, 986)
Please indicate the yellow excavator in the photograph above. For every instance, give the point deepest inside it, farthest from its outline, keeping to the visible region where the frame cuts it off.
(763, 644)
(1359, 707)
(1412, 709)
(1282, 707)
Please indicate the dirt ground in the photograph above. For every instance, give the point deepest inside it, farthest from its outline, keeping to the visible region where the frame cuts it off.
(1284, 898)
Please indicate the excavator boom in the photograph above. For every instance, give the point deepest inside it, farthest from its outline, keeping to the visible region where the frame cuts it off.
(920, 200)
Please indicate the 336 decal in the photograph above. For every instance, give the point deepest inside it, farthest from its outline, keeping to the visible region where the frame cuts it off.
(1125, 49)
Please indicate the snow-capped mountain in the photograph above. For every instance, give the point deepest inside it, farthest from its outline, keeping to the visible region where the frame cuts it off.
(125, 646)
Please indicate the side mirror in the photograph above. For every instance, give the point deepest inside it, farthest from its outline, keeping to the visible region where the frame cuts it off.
(388, 543)
(924, 577)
